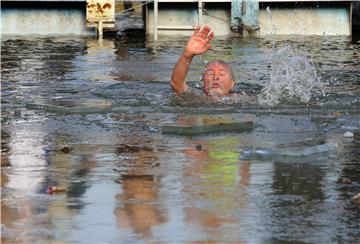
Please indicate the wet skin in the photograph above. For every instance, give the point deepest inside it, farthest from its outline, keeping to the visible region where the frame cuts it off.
(217, 80)
(217, 77)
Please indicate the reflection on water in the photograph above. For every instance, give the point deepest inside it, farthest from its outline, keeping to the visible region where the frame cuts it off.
(139, 209)
(126, 181)
(221, 180)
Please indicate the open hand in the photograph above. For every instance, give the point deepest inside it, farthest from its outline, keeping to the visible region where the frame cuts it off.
(199, 42)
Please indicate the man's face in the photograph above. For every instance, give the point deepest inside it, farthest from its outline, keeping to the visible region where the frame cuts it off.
(217, 80)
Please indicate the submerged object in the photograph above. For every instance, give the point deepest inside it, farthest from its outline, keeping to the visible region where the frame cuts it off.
(287, 154)
(197, 125)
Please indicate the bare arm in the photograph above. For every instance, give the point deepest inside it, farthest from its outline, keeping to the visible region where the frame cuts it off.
(199, 43)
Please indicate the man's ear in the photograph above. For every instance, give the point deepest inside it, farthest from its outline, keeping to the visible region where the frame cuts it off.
(232, 83)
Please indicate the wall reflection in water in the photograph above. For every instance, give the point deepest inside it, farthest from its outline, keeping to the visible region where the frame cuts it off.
(21, 205)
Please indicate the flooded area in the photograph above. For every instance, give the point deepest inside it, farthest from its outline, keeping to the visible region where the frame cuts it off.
(88, 116)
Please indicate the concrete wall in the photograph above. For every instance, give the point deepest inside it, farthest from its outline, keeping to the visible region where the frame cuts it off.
(304, 21)
(274, 19)
(44, 18)
(186, 14)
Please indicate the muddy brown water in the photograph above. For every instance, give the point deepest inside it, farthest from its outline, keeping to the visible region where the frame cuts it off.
(87, 115)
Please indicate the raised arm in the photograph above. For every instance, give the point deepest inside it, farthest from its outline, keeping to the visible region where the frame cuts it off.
(198, 43)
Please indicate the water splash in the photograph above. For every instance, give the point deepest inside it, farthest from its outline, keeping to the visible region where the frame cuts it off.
(293, 78)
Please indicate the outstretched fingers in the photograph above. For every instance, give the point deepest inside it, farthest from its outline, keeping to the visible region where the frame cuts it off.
(210, 36)
(196, 31)
(204, 32)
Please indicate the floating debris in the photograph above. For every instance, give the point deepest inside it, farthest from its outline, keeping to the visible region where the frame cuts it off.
(55, 189)
(343, 180)
(153, 129)
(198, 147)
(304, 142)
(348, 134)
(323, 119)
(336, 113)
(66, 149)
(356, 199)
(127, 148)
(207, 124)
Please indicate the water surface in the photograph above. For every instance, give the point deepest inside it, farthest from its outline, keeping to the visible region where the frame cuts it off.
(106, 100)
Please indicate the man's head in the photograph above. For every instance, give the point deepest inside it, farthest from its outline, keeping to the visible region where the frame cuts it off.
(218, 78)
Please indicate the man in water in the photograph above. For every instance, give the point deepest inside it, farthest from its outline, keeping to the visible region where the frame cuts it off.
(217, 78)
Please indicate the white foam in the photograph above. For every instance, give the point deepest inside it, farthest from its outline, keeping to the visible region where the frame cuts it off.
(293, 78)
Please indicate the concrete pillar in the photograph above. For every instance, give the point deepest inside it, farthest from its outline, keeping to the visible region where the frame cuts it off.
(356, 21)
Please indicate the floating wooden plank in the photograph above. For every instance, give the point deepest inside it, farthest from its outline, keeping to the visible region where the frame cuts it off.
(324, 119)
(203, 125)
(82, 108)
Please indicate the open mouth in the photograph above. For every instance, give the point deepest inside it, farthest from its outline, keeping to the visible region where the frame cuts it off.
(215, 86)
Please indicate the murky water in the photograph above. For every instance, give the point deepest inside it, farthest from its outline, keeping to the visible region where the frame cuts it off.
(88, 115)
